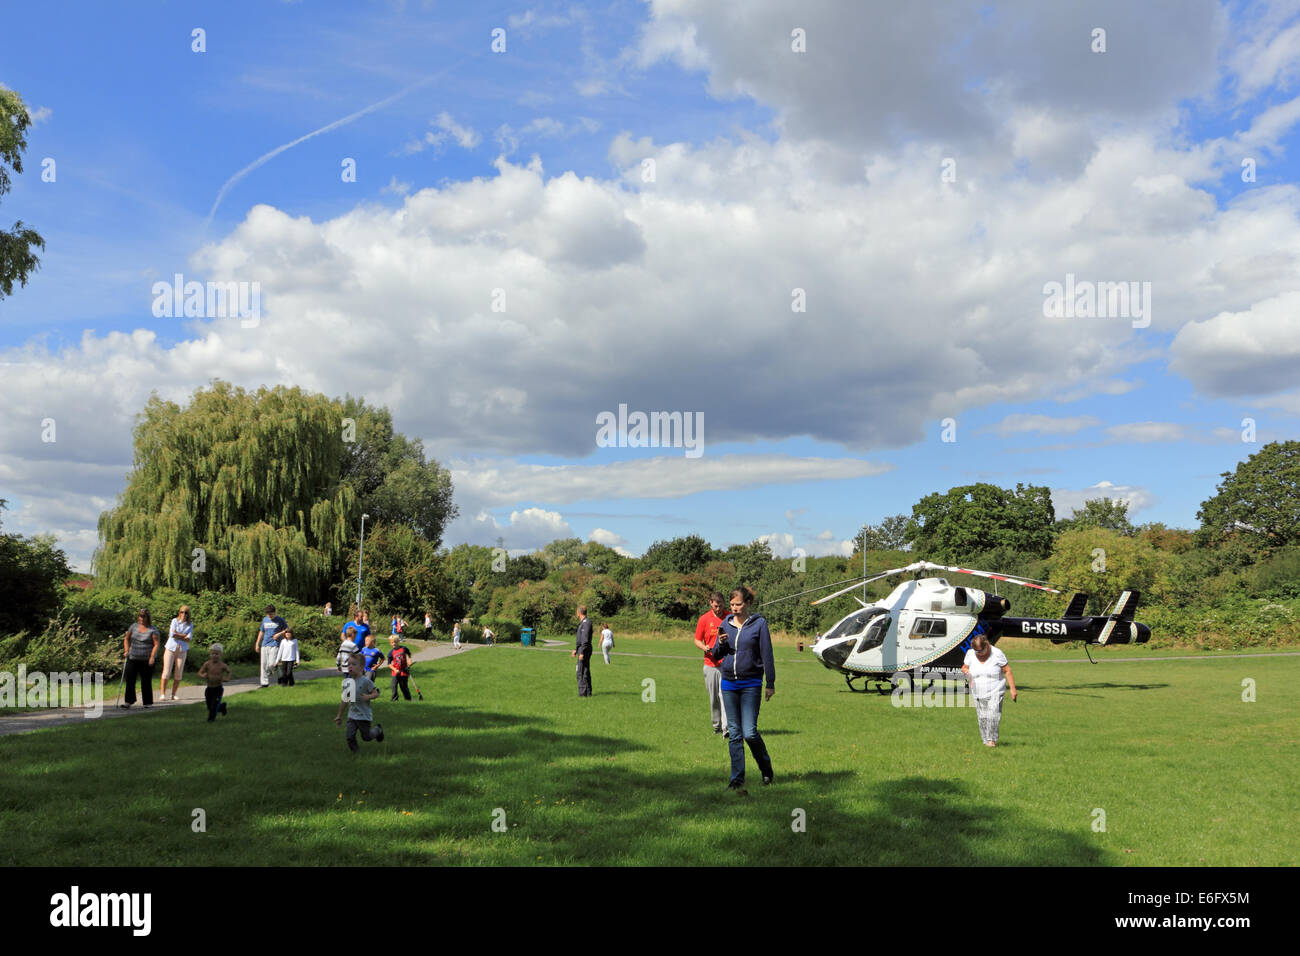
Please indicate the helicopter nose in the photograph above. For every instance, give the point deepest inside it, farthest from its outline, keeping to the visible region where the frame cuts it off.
(834, 655)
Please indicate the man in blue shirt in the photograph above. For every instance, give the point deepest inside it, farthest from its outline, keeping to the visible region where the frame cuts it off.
(268, 641)
(356, 630)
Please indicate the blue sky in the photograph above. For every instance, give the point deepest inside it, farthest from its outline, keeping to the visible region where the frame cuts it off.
(776, 170)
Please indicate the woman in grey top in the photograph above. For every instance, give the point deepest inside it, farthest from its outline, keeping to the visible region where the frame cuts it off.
(140, 647)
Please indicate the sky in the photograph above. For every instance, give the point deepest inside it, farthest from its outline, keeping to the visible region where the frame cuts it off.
(839, 237)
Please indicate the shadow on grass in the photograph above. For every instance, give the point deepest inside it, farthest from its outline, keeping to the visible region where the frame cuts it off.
(431, 793)
(1101, 685)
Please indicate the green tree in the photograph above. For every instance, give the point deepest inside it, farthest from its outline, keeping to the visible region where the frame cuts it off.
(1108, 513)
(1103, 563)
(970, 519)
(565, 553)
(252, 480)
(1259, 501)
(526, 567)
(1163, 538)
(470, 579)
(402, 573)
(889, 535)
(17, 261)
(541, 604)
(603, 559)
(389, 474)
(750, 561)
(678, 555)
(32, 572)
(603, 596)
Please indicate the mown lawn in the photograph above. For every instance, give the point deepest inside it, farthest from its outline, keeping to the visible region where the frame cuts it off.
(1186, 772)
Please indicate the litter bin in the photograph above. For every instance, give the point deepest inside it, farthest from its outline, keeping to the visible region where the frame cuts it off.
(526, 637)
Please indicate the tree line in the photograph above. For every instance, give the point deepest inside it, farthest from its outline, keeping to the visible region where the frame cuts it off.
(262, 493)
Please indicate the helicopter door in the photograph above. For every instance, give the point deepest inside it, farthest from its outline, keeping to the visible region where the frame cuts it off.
(875, 633)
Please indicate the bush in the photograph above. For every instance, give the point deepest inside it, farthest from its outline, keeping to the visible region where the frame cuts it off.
(65, 646)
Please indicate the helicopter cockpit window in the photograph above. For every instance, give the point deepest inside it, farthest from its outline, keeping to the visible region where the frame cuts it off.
(856, 624)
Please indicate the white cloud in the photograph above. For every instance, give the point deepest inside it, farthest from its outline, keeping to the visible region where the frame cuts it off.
(396, 187)
(1043, 424)
(1147, 432)
(1066, 500)
(1255, 351)
(447, 129)
(616, 288)
(525, 530)
(611, 540)
(499, 483)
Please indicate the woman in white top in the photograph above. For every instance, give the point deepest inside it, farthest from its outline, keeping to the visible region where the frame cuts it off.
(606, 641)
(178, 645)
(455, 635)
(989, 676)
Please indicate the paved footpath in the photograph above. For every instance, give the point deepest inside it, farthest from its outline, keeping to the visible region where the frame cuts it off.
(190, 694)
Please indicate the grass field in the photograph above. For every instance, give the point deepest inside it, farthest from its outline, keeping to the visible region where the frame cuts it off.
(1186, 772)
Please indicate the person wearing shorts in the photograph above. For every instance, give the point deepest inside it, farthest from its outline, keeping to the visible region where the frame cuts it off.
(358, 692)
(174, 651)
(216, 671)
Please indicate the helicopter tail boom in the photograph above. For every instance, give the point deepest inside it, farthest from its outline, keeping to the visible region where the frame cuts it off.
(1118, 627)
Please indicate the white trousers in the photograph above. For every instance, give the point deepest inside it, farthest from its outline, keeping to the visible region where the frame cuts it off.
(713, 684)
(989, 712)
(270, 658)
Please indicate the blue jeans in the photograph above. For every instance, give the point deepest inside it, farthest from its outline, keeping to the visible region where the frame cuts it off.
(742, 722)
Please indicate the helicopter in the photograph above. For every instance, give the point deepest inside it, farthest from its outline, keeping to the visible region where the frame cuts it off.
(927, 622)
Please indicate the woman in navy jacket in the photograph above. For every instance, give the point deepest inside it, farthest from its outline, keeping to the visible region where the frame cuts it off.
(744, 660)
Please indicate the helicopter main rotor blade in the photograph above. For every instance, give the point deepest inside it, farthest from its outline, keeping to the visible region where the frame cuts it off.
(822, 587)
(1023, 582)
(857, 584)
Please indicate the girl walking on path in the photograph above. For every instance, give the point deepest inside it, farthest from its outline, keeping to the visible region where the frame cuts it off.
(177, 647)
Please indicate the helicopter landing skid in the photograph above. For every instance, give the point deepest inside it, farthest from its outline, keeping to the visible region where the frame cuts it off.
(882, 686)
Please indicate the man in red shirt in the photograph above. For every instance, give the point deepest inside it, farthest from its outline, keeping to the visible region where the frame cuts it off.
(706, 633)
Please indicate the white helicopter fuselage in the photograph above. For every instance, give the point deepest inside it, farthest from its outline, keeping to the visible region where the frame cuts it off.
(917, 624)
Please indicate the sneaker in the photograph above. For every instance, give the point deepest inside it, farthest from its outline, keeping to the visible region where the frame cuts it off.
(222, 709)
(174, 697)
(767, 780)
(738, 788)
(123, 706)
(379, 733)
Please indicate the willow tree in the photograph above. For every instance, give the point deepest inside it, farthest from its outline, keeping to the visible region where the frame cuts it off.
(237, 491)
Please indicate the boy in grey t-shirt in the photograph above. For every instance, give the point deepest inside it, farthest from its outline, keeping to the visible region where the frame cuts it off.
(358, 692)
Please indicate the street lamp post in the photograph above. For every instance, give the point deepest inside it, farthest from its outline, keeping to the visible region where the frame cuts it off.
(361, 556)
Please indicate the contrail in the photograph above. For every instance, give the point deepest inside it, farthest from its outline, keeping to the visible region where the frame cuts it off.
(261, 160)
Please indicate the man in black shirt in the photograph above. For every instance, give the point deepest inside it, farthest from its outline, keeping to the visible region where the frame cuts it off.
(582, 651)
